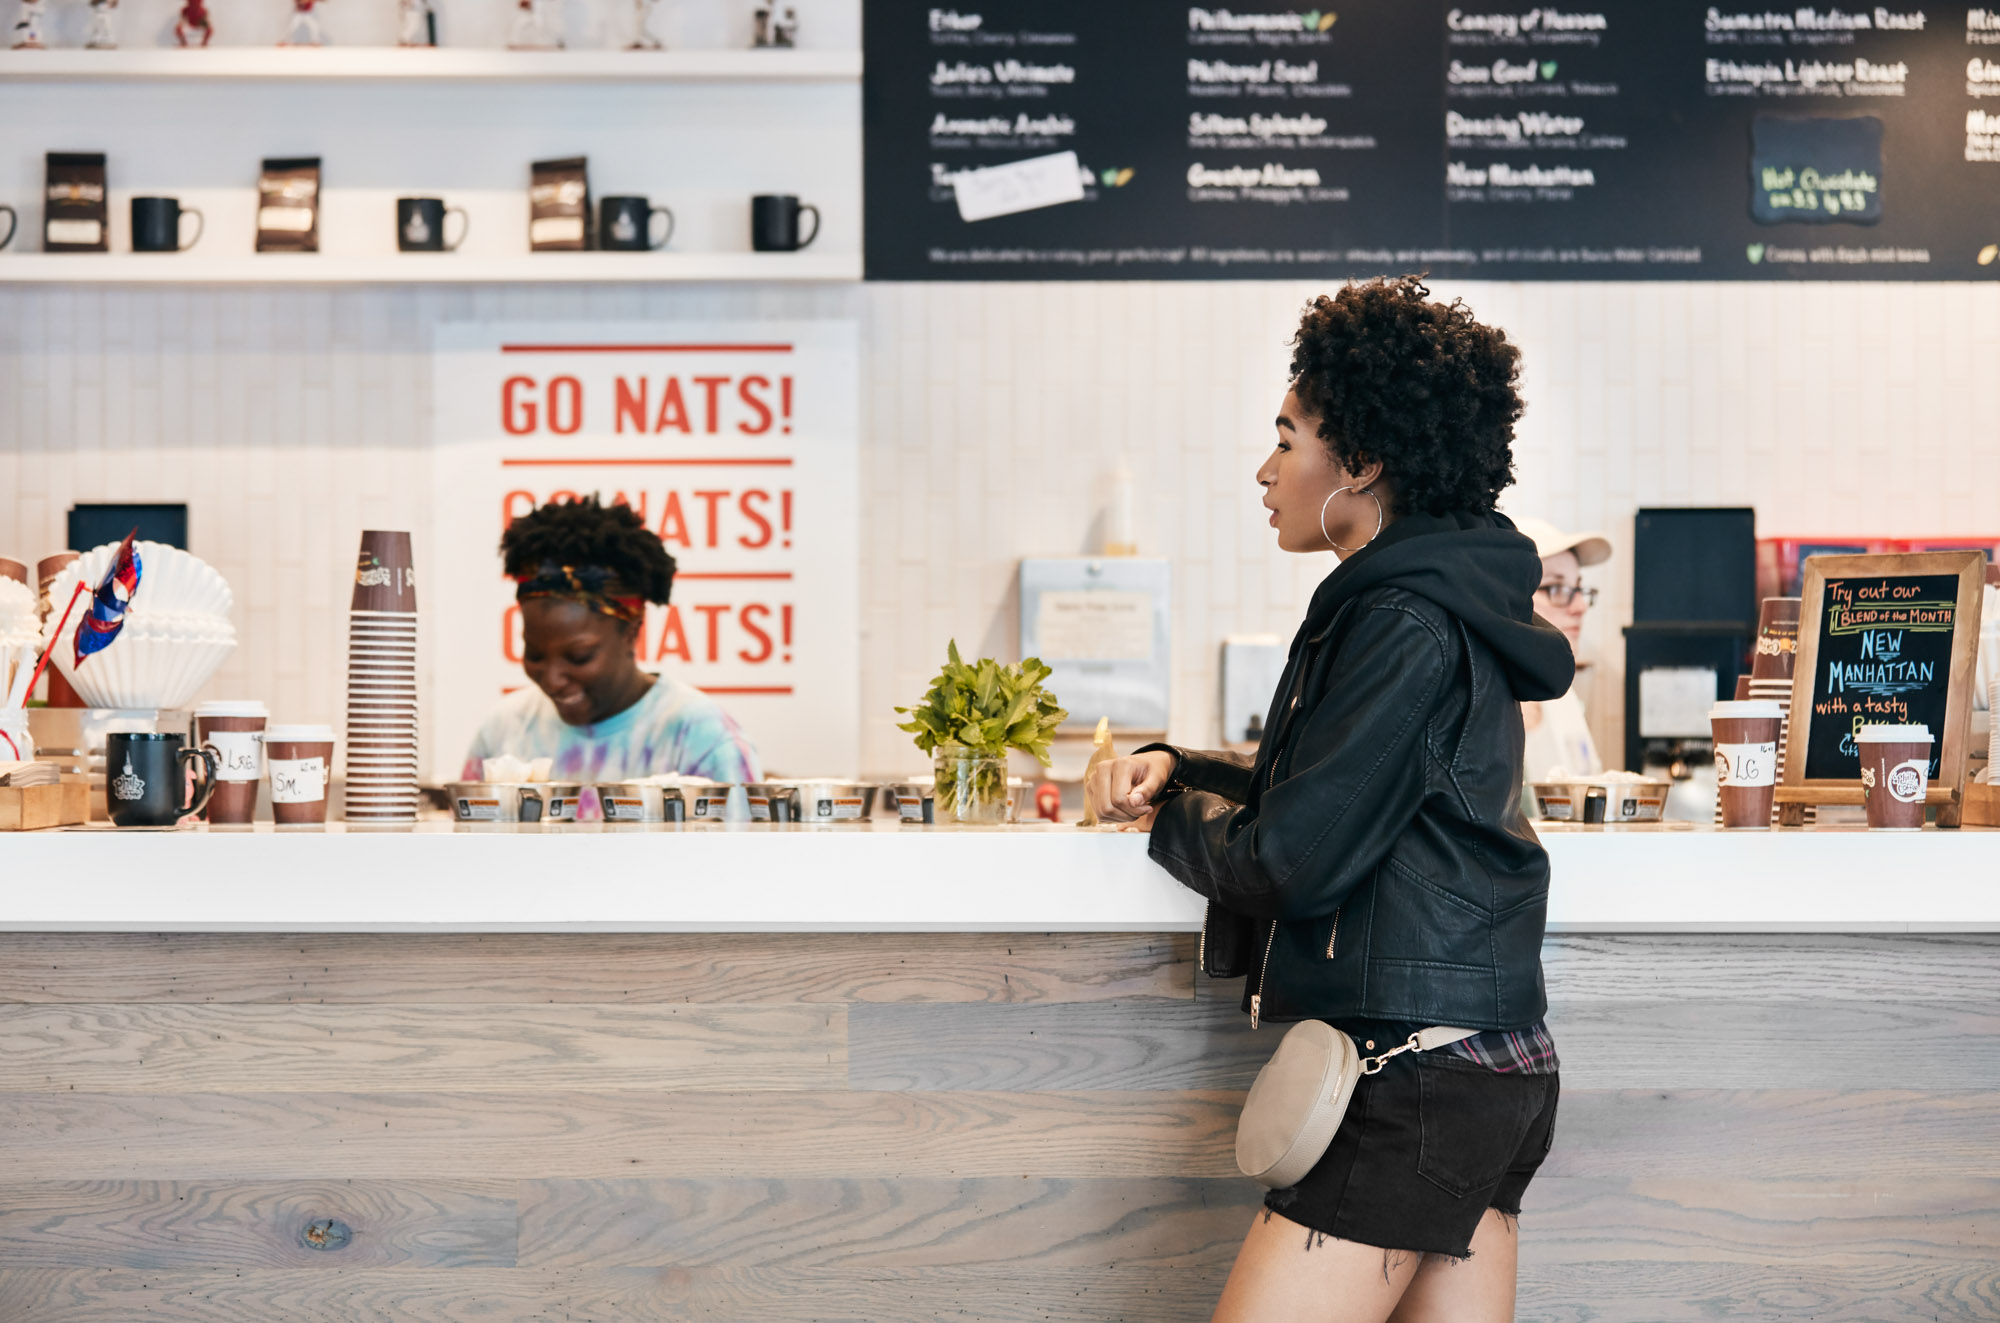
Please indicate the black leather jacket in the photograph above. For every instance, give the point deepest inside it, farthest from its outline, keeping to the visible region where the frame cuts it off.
(1373, 861)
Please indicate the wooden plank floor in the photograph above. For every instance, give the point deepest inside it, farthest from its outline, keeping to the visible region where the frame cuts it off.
(207, 1129)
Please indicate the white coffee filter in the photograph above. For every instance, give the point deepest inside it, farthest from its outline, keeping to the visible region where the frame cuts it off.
(20, 618)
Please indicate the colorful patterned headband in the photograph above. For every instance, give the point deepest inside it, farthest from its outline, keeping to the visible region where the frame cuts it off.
(593, 585)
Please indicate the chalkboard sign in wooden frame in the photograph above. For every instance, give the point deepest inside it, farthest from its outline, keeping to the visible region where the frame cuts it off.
(1883, 638)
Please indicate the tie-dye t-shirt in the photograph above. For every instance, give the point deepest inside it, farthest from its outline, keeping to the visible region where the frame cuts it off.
(674, 728)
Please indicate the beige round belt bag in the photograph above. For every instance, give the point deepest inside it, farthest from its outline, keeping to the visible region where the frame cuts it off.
(1299, 1096)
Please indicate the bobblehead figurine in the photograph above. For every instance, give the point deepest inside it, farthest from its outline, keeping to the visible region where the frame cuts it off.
(28, 26)
(194, 18)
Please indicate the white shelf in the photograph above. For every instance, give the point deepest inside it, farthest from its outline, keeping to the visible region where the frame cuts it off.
(421, 268)
(419, 63)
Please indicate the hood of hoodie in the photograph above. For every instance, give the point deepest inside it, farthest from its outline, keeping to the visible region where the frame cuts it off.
(1477, 567)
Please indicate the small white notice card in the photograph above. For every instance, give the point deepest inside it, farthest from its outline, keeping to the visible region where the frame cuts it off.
(1001, 190)
(1094, 626)
(1674, 702)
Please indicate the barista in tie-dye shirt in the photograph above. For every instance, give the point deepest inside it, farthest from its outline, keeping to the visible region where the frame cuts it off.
(586, 572)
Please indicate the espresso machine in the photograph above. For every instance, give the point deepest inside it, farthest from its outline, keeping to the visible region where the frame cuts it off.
(1694, 620)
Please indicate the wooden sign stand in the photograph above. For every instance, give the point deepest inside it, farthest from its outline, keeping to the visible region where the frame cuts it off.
(1947, 792)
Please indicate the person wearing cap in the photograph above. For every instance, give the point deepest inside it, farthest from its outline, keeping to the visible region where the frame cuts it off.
(1558, 733)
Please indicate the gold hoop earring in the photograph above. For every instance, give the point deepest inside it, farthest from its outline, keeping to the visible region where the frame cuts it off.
(1329, 501)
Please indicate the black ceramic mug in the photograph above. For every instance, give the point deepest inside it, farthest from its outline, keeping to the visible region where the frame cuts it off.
(143, 778)
(420, 225)
(156, 225)
(625, 225)
(774, 223)
(13, 223)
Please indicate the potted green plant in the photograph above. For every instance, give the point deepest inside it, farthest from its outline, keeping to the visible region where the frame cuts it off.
(973, 713)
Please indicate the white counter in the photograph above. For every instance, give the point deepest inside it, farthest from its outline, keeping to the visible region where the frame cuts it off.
(436, 878)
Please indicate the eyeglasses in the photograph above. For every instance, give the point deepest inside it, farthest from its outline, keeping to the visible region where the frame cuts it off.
(1562, 594)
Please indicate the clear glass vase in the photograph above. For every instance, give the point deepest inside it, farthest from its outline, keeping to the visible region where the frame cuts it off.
(971, 786)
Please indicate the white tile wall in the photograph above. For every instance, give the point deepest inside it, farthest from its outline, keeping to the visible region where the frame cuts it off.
(993, 415)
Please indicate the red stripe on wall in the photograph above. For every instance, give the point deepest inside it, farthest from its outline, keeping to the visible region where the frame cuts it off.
(765, 574)
(647, 463)
(645, 349)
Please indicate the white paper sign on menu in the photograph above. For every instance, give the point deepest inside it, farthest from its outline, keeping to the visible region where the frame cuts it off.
(1002, 190)
(736, 443)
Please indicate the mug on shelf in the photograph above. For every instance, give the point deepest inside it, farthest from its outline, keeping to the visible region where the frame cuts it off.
(420, 225)
(625, 225)
(774, 223)
(13, 223)
(156, 225)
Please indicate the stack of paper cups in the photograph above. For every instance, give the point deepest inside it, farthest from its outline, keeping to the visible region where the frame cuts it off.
(382, 683)
(1993, 734)
(1771, 669)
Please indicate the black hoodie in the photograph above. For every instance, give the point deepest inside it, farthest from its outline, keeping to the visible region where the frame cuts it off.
(1475, 566)
(1378, 836)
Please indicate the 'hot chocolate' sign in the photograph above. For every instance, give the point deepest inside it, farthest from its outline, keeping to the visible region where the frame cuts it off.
(735, 443)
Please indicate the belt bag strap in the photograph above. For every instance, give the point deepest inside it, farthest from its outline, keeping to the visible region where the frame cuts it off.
(1421, 1041)
(1300, 1095)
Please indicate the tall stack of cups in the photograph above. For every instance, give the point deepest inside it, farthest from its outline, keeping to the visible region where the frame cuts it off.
(382, 682)
(1993, 736)
(1772, 666)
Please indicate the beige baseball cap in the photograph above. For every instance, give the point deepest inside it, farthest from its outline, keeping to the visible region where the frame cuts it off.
(1590, 548)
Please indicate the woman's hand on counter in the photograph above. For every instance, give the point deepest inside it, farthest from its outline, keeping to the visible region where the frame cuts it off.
(1123, 789)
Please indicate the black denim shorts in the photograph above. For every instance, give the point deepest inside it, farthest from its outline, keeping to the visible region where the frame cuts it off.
(1427, 1146)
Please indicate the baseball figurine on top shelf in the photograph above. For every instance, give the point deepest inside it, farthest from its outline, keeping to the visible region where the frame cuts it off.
(642, 27)
(28, 26)
(775, 24)
(193, 19)
(100, 36)
(417, 23)
(304, 29)
(534, 29)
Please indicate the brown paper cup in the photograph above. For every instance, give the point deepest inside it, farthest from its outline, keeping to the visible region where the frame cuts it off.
(385, 578)
(234, 730)
(301, 762)
(1746, 760)
(48, 567)
(1777, 639)
(17, 570)
(1895, 775)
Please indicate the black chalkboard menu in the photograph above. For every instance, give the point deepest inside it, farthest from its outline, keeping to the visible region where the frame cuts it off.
(1888, 640)
(1884, 657)
(1617, 139)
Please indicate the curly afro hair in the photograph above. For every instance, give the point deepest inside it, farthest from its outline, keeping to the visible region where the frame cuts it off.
(586, 532)
(1417, 384)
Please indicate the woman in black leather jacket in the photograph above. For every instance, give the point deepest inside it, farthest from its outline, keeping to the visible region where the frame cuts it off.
(1371, 866)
